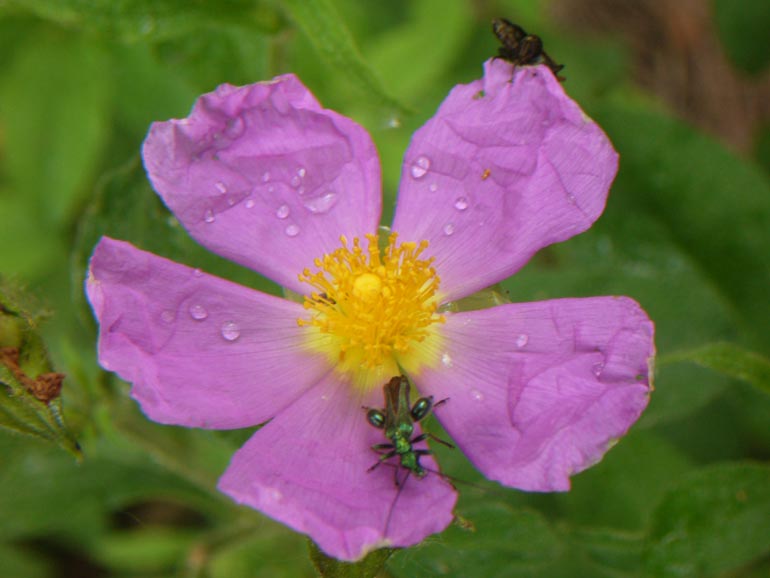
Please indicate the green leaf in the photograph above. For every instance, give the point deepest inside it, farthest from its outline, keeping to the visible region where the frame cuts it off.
(328, 567)
(134, 20)
(145, 550)
(54, 496)
(429, 40)
(622, 490)
(608, 547)
(715, 521)
(505, 542)
(743, 26)
(55, 106)
(326, 31)
(728, 359)
(715, 207)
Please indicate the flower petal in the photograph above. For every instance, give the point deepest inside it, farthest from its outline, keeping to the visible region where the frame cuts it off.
(504, 168)
(264, 176)
(307, 468)
(199, 350)
(540, 391)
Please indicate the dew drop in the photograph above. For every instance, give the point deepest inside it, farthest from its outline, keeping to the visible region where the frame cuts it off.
(597, 369)
(477, 395)
(571, 199)
(522, 340)
(461, 203)
(433, 187)
(231, 200)
(168, 316)
(208, 216)
(266, 176)
(230, 330)
(449, 229)
(282, 212)
(301, 172)
(291, 231)
(420, 167)
(221, 187)
(446, 359)
(198, 312)
(322, 204)
(197, 273)
(394, 122)
(295, 181)
(249, 204)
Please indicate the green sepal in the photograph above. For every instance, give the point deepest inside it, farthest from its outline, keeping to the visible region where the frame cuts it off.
(20, 410)
(328, 567)
(714, 521)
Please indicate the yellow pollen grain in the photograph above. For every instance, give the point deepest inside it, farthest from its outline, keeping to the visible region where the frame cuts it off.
(372, 309)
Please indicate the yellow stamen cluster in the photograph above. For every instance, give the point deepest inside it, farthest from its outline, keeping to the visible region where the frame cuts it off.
(373, 307)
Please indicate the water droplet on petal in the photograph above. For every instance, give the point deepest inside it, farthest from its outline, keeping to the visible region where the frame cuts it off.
(301, 172)
(230, 330)
(449, 229)
(477, 395)
(420, 167)
(295, 181)
(168, 316)
(208, 216)
(231, 200)
(321, 204)
(221, 187)
(266, 176)
(446, 359)
(522, 340)
(282, 212)
(249, 204)
(394, 122)
(571, 199)
(461, 203)
(198, 312)
(597, 369)
(433, 187)
(197, 273)
(291, 231)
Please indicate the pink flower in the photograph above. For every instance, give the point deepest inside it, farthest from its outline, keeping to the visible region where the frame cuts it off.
(266, 177)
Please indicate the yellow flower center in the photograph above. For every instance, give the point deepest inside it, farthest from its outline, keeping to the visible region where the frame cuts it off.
(373, 311)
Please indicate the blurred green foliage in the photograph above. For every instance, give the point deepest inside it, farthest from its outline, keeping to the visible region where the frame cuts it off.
(686, 233)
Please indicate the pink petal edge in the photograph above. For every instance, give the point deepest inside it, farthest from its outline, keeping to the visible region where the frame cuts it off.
(505, 167)
(307, 468)
(266, 177)
(200, 351)
(540, 391)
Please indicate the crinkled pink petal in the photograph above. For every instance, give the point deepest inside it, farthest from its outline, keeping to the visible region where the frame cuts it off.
(264, 176)
(504, 168)
(200, 351)
(540, 391)
(307, 468)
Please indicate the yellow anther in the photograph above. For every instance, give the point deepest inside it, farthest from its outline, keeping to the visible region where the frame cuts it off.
(373, 309)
